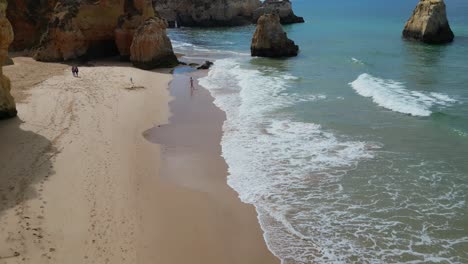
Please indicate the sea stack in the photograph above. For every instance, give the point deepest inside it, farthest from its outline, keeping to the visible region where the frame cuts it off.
(7, 103)
(270, 40)
(282, 7)
(151, 47)
(429, 23)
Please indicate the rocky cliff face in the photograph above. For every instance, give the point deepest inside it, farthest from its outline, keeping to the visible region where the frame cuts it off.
(151, 48)
(281, 7)
(135, 15)
(7, 103)
(80, 28)
(29, 19)
(206, 13)
(90, 28)
(429, 23)
(270, 40)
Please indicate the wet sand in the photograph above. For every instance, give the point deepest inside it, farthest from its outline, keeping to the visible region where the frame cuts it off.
(213, 225)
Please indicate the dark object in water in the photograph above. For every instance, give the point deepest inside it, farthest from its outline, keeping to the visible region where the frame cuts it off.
(206, 65)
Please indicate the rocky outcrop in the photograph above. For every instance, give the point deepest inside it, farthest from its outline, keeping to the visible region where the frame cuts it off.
(89, 29)
(206, 13)
(429, 23)
(135, 15)
(7, 103)
(281, 7)
(205, 66)
(270, 40)
(151, 48)
(29, 19)
(80, 28)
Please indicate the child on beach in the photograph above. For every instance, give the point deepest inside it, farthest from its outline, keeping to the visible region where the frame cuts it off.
(192, 87)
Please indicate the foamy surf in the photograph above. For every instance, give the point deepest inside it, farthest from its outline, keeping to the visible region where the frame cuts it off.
(393, 95)
(271, 157)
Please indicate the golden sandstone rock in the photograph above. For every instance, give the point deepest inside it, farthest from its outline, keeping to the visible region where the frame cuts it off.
(207, 13)
(270, 40)
(429, 23)
(151, 48)
(89, 29)
(7, 103)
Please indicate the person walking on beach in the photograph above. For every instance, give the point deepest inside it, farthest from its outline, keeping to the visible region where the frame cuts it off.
(192, 87)
(75, 71)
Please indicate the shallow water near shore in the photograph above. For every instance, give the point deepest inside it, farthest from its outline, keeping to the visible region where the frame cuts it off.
(356, 151)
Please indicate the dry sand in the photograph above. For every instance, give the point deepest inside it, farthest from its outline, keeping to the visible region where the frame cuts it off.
(80, 184)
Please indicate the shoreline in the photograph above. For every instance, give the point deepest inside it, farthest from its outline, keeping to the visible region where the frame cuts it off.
(81, 184)
(192, 166)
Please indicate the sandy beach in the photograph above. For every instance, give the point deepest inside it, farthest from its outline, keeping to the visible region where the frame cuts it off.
(83, 178)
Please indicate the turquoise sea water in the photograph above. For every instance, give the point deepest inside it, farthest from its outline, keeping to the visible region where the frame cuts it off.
(356, 151)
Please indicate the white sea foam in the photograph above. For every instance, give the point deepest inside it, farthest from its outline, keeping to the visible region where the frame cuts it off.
(315, 199)
(393, 95)
(269, 155)
(357, 61)
(189, 48)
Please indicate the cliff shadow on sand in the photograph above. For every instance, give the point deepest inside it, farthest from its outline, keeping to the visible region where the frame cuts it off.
(25, 165)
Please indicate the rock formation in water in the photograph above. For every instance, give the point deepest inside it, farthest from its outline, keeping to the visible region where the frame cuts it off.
(270, 40)
(151, 48)
(429, 23)
(205, 66)
(89, 29)
(7, 103)
(281, 7)
(207, 13)
(29, 19)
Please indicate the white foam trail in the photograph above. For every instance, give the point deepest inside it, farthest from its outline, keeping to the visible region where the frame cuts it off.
(189, 48)
(357, 61)
(394, 96)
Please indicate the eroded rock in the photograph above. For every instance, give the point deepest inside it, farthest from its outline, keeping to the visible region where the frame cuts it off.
(29, 19)
(151, 48)
(429, 23)
(206, 13)
(270, 40)
(205, 66)
(281, 7)
(134, 16)
(7, 103)
(90, 29)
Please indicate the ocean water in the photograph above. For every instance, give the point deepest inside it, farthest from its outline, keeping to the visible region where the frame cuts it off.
(356, 151)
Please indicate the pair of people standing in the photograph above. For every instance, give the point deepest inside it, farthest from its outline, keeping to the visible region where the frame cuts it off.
(75, 71)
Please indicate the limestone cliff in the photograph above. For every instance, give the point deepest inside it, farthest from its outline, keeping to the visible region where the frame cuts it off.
(270, 40)
(80, 28)
(29, 19)
(206, 13)
(90, 28)
(135, 15)
(429, 23)
(7, 103)
(151, 48)
(281, 7)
